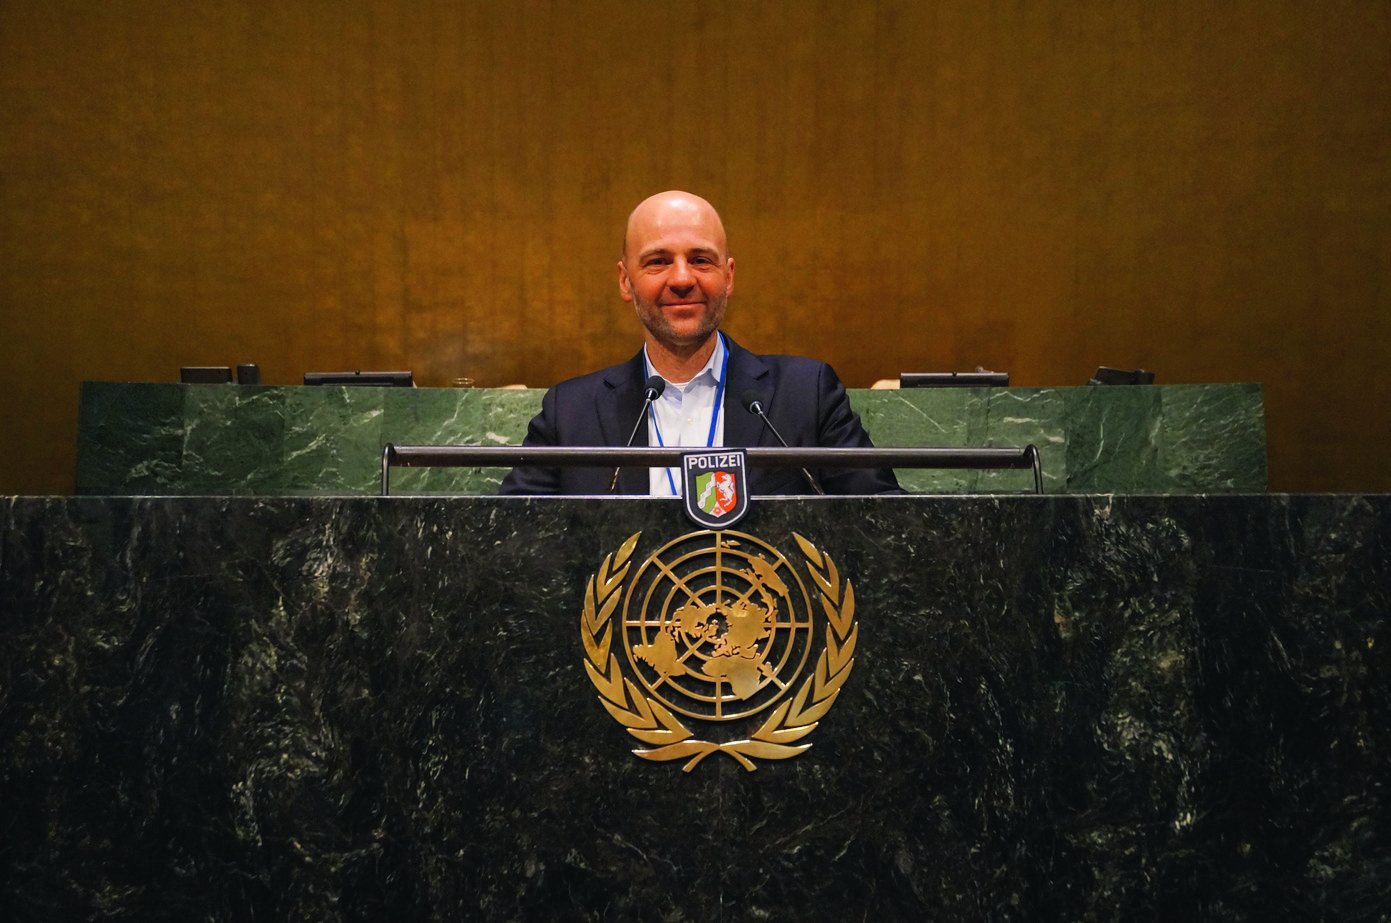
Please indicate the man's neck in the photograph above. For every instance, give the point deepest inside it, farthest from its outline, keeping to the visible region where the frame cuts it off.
(679, 365)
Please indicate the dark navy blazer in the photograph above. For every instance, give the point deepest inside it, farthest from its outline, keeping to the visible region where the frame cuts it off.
(803, 397)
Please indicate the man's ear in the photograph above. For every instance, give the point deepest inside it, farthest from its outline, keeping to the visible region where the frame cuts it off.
(729, 279)
(625, 285)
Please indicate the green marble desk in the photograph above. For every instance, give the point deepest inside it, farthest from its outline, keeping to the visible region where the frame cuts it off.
(171, 439)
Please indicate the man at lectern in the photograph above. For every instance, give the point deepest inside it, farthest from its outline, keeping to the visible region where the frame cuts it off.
(709, 391)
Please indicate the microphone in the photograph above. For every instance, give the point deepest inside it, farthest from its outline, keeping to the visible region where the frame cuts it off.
(754, 404)
(651, 390)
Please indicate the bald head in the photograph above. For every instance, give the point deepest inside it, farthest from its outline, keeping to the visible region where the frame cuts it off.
(677, 273)
(664, 212)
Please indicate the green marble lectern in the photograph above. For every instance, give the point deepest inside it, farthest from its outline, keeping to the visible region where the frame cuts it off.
(171, 439)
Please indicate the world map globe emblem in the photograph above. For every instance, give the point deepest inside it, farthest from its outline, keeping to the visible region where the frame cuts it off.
(717, 625)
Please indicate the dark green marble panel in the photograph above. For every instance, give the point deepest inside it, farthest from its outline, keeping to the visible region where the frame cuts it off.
(231, 439)
(1024, 416)
(130, 438)
(333, 439)
(952, 417)
(462, 416)
(1113, 440)
(1207, 440)
(1062, 708)
(234, 440)
(1171, 439)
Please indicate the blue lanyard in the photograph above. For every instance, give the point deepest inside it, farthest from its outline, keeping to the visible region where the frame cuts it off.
(714, 411)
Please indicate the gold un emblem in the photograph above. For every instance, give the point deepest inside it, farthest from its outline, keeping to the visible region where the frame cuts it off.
(716, 630)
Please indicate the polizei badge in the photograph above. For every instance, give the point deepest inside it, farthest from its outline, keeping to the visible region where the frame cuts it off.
(716, 487)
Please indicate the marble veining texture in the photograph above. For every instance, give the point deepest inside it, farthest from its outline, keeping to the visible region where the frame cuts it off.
(1072, 708)
(170, 439)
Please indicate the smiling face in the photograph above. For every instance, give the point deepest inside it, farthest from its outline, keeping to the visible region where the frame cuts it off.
(676, 271)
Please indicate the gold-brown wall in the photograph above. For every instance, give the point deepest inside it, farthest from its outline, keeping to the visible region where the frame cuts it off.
(1198, 188)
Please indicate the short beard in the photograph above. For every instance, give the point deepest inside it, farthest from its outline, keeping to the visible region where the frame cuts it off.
(662, 331)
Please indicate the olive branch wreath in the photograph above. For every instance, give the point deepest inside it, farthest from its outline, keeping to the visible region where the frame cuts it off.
(668, 737)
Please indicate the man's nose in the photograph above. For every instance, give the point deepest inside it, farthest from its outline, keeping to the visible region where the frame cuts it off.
(681, 276)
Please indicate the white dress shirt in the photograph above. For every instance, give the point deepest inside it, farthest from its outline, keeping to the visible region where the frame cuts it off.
(681, 417)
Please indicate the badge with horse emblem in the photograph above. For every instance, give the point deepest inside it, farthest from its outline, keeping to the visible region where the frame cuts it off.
(716, 487)
(716, 644)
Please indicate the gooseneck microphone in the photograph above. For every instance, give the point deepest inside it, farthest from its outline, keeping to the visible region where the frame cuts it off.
(754, 404)
(651, 390)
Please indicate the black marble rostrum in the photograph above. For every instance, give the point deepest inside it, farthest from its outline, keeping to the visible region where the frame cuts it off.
(1061, 708)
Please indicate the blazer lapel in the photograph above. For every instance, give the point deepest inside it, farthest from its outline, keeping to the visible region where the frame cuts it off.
(618, 411)
(746, 372)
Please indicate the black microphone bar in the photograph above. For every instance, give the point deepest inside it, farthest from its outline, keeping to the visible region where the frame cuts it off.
(504, 456)
(754, 404)
(651, 390)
